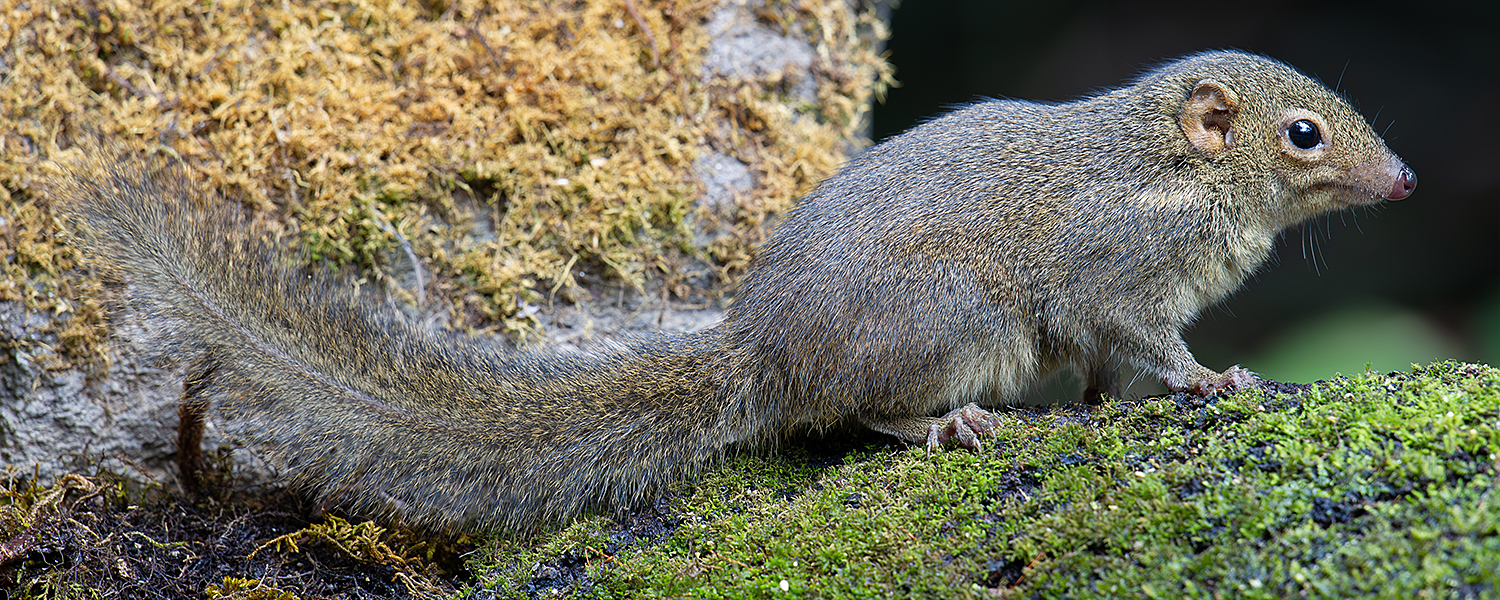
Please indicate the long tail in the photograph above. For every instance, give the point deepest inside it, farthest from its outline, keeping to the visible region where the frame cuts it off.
(373, 411)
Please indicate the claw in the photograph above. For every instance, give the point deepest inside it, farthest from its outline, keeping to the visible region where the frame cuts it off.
(964, 425)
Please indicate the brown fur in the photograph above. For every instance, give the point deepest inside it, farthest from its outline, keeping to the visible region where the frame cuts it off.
(956, 263)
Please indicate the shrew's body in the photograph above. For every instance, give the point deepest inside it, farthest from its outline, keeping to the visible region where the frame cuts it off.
(950, 266)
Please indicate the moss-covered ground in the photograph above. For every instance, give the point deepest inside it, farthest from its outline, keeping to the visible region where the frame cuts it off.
(1373, 485)
(1365, 486)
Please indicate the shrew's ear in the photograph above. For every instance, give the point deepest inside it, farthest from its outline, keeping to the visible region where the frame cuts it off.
(1207, 115)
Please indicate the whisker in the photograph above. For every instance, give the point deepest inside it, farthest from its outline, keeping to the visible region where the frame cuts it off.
(1327, 235)
(1303, 243)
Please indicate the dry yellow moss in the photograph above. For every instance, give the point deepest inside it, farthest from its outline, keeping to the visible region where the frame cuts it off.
(511, 144)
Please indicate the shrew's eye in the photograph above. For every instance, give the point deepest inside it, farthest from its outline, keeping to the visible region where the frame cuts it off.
(1304, 134)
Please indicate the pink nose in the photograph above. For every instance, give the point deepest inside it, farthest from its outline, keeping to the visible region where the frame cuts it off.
(1406, 181)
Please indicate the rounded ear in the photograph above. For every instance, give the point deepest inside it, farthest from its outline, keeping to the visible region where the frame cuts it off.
(1206, 116)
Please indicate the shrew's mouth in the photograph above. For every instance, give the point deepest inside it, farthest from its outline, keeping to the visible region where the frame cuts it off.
(1347, 194)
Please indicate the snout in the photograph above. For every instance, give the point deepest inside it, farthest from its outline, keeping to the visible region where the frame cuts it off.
(1377, 180)
(1405, 182)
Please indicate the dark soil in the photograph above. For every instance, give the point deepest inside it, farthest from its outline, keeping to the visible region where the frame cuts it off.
(102, 545)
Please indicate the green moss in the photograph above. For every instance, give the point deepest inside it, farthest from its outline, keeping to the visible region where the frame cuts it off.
(1367, 486)
(247, 589)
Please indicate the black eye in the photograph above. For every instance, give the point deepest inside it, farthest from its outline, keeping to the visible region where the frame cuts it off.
(1304, 134)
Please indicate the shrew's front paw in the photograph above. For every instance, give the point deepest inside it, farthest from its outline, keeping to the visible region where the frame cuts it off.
(964, 426)
(1232, 380)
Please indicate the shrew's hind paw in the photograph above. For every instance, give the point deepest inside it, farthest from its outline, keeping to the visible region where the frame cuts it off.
(964, 426)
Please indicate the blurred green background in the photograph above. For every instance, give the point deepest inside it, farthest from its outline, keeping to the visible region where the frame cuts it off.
(1412, 281)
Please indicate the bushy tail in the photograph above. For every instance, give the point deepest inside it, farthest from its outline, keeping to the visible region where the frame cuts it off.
(373, 411)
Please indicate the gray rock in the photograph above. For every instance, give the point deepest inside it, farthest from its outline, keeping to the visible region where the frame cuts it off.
(55, 422)
(721, 175)
(743, 49)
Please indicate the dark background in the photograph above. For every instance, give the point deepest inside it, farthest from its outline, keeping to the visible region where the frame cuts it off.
(1412, 281)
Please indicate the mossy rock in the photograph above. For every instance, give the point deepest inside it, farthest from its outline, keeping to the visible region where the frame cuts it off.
(1365, 486)
(493, 166)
